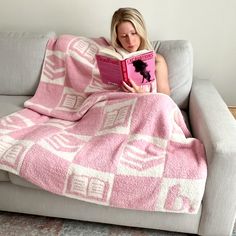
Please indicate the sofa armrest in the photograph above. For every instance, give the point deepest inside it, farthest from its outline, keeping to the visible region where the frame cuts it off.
(215, 126)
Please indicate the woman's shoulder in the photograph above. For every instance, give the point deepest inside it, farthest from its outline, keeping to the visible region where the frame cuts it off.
(160, 58)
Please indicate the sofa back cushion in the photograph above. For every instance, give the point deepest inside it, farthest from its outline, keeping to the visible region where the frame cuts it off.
(179, 58)
(22, 55)
(21, 59)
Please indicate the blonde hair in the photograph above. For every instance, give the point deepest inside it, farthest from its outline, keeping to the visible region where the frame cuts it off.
(133, 16)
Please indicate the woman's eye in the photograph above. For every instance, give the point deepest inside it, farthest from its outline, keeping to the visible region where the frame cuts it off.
(123, 36)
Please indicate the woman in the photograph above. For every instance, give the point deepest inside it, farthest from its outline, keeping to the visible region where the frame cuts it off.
(128, 31)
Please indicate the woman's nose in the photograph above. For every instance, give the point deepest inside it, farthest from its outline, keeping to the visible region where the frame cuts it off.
(129, 39)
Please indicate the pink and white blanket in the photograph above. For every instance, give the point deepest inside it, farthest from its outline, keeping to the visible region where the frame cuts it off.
(80, 138)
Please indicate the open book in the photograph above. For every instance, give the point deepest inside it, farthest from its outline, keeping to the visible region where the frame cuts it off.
(115, 67)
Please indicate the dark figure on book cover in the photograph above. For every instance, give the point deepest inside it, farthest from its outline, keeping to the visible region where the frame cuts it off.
(140, 66)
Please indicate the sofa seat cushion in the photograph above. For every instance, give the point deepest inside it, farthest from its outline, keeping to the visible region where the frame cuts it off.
(21, 182)
(10, 104)
(4, 176)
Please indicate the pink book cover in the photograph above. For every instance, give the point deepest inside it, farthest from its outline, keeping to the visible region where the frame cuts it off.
(138, 67)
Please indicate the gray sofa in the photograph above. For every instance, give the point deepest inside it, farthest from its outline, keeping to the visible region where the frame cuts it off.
(21, 58)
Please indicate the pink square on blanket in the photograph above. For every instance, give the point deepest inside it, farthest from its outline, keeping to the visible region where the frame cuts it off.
(87, 126)
(52, 172)
(13, 155)
(80, 74)
(60, 43)
(101, 153)
(152, 106)
(138, 193)
(184, 160)
(47, 95)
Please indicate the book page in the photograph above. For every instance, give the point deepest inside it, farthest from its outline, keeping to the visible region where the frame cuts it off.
(110, 52)
(131, 54)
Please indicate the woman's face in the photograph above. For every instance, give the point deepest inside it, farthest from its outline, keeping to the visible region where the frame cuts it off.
(128, 37)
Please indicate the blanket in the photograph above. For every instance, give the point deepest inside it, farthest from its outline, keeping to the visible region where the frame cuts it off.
(83, 139)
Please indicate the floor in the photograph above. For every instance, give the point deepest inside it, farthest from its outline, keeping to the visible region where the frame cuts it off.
(233, 110)
(13, 224)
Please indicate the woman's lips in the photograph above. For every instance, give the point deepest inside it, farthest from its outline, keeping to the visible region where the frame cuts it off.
(131, 48)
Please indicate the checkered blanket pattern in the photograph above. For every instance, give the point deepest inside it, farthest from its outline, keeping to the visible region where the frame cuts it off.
(83, 139)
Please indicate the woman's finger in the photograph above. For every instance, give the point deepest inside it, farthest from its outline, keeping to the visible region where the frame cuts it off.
(126, 86)
(134, 86)
(125, 89)
(134, 89)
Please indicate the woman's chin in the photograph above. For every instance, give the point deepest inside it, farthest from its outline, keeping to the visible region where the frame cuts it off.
(131, 50)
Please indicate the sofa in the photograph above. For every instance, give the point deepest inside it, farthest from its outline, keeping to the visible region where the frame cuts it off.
(205, 112)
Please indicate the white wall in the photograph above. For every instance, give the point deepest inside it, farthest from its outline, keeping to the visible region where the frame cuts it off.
(209, 25)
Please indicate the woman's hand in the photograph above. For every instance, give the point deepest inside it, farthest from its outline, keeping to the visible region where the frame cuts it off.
(133, 88)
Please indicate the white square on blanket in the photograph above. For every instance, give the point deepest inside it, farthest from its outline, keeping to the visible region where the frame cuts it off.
(54, 68)
(117, 117)
(12, 153)
(89, 184)
(63, 144)
(143, 155)
(180, 195)
(83, 48)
